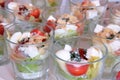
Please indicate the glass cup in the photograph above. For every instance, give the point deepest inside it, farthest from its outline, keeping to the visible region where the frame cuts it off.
(26, 10)
(92, 8)
(79, 58)
(115, 13)
(115, 72)
(108, 32)
(53, 3)
(65, 24)
(29, 47)
(6, 20)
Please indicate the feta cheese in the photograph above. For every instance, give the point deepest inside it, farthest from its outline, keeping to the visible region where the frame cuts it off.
(115, 45)
(30, 51)
(30, 4)
(63, 54)
(114, 27)
(60, 31)
(24, 35)
(92, 52)
(90, 14)
(67, 48)
(51, 18)
(14, 38)
(98, 28)
(12, 5)
(71, 27)
(96, 2)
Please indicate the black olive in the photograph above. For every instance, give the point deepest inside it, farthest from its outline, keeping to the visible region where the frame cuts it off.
(111, 36)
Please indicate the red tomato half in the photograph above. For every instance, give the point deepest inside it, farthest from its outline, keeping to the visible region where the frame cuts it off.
(117, 52)
(118, 76)
(1, 29)
(49, 25)
(37, 31)
(77, 70)
(35, 13)
(85, 3)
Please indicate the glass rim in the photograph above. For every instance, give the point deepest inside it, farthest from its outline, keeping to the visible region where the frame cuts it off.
(112, 70)
(112, 13)
(39, 27)
(105, 3)
(57, 16)
(88, 37)
(101, 22)
(23, 20)
(8, 12)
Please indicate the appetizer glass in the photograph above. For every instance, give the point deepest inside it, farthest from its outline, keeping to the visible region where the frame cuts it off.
(64, 24)
(92, 8)
(53, 3)
(81, 67)
(115, 72)
(108, 32)
(115, 13)
(6, 20)
(26, 10)
(29, 47)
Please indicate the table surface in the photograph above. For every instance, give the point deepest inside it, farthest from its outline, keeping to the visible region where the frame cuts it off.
(6, 72)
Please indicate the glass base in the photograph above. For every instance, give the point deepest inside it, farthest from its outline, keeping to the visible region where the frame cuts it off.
(38, 78)
(4, 61)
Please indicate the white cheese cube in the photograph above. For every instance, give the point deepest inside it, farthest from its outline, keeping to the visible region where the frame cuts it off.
(24, 35)
(30, 51)
(90, 14)
(14, 38)
(114, 27)
(51, 18)
(92, 52)
(63, 54)
(115, 45)
(12, 5)
(96, 2)
(98, 28)
(67, 48)
(71, 27)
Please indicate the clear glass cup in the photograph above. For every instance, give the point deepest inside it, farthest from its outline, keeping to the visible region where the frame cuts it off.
(115, 13)
(108, 32)
(53, 3)
(26, 10)
(6, 20)
(92, 8)
(65, 24)
(115, 72)
(76, 58)
(29, 47)
(39, 3)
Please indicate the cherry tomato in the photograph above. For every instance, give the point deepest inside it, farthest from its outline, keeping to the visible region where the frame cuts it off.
(117, 52)
(77, 69)
(118, 76)
(37, 31)
(50, 24)
(35, 12)
(85, 3)
(1, 29)
(2, 3)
